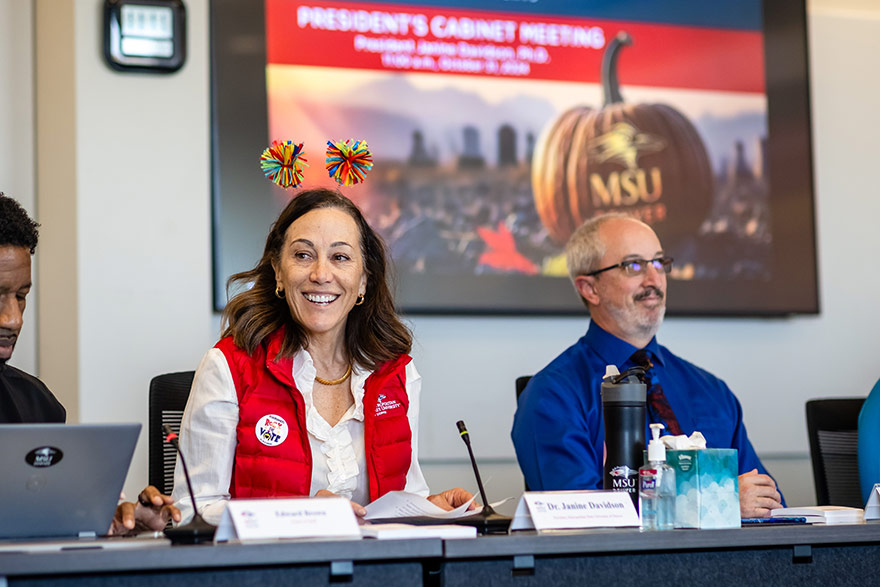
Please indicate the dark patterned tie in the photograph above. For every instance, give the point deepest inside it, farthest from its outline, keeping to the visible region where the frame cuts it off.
(658, 406)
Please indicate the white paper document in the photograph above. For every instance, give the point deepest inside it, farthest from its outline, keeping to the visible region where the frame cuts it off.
(823, 514)
(400, 504)
(407, 531)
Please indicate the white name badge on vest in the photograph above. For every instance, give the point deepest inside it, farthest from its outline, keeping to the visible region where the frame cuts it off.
(563, 510)
(298, 517)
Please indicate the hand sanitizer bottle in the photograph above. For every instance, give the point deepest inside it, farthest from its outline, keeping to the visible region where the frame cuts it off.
(657, 486)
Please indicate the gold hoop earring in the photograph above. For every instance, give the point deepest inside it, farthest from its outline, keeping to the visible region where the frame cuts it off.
(360, 300)
(279, 293)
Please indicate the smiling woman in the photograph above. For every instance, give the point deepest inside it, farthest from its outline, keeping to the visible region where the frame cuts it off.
(320, 271)
(311, 390)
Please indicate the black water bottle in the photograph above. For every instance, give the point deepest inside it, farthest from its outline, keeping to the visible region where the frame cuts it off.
(623, 406)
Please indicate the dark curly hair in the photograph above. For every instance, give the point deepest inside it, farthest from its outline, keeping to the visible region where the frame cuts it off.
(16, 227)
(373, 332)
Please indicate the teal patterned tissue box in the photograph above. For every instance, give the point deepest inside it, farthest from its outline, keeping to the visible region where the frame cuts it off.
(707, 489)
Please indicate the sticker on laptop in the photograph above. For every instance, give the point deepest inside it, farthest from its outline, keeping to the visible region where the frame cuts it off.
(271, 430)
(45, 456)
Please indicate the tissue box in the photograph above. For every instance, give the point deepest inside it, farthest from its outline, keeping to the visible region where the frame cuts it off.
(707, 490)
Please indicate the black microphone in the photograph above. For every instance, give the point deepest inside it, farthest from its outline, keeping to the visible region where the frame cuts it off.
(197, 531)
(488, 521)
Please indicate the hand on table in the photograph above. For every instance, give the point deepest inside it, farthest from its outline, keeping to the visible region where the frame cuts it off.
(453, 498)
(151, 513)
(359, 510)
(757, 495)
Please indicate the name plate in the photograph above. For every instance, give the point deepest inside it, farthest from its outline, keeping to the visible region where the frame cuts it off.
(872, 508)
(563, 510)
(299, 517)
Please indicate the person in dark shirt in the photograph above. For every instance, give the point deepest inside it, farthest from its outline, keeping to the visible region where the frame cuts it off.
(23, 397)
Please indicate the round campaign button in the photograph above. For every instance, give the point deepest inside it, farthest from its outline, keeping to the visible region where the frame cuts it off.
(271, 430)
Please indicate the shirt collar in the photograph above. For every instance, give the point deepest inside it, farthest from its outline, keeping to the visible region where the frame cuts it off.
(615, 351)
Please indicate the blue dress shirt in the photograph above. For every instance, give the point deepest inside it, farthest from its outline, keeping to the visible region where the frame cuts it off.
(558, 430)
(869, 442)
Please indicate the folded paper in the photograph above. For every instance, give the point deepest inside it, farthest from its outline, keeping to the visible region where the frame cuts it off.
(300, 517)
(564, 510)
(872, 508)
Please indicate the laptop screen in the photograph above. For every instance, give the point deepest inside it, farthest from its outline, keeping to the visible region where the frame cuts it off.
(62, 480)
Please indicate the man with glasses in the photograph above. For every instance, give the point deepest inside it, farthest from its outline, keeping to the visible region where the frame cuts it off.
(619, 269)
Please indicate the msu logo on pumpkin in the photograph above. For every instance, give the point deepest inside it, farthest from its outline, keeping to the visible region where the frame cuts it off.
(645, 160)
(622, 145)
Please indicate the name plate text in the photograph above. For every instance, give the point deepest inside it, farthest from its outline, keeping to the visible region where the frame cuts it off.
(265, 519)
(562, 510)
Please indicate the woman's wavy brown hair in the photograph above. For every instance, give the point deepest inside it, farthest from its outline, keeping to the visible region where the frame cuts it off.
(373, 332)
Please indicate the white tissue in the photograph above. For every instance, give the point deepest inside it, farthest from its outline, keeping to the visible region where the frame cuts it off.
(696, 441)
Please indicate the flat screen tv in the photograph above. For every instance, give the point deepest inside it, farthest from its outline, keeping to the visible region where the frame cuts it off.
(498, 126)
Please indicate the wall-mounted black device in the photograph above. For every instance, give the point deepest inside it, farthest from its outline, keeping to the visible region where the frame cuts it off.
(145, 35)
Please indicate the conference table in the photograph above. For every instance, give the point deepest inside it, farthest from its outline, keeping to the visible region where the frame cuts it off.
(771, 555)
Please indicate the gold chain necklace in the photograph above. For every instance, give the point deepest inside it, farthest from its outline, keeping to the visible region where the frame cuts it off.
(334, 381)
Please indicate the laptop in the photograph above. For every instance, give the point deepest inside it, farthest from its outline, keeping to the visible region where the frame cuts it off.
(62, 481)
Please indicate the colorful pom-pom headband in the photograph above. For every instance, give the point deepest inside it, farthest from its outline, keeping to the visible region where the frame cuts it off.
(347, 162)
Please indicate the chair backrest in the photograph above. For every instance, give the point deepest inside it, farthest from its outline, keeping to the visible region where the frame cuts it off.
(168, 395)
(521, 383)
(832, 425)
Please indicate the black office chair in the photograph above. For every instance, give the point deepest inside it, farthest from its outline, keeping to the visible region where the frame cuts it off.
(521, 383)
(832, 425)
(168, 395)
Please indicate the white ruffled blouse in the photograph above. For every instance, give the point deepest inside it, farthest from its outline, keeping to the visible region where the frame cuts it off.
(207, 437)
(343, 468)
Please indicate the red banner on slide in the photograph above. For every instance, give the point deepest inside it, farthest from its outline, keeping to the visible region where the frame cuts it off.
(411, 38)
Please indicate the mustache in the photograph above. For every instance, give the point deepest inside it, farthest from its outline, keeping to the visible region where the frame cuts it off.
(648, 291)
(6, 332)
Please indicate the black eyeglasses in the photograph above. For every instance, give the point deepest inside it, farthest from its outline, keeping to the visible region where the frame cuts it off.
(633, 267)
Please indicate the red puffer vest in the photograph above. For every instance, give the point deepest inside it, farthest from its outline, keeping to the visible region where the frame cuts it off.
(265, 387)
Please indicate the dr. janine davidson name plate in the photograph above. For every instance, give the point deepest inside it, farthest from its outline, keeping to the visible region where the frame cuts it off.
(266, 519)
(564, 510)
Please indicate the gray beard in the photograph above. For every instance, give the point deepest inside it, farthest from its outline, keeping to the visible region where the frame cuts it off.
(630, 323)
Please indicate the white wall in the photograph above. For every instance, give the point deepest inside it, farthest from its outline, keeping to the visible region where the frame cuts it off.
(17, 138)
(144, 240)
(135, 212)
(143, 255)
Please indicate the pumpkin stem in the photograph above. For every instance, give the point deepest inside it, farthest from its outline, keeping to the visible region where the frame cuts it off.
(610, 83)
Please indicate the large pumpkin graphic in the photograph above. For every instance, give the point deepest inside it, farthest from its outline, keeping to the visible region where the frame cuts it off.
(646, 160)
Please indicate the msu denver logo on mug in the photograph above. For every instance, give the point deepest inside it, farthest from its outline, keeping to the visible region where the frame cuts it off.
(621, 477)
